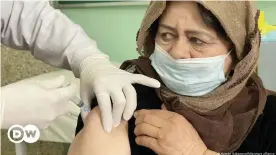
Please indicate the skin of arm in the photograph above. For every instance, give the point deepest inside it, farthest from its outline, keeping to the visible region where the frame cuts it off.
(93, 140)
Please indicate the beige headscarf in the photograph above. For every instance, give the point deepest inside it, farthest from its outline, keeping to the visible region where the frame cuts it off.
(224, 117)
(239, 19)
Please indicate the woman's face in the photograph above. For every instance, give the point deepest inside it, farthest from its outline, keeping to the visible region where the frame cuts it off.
(183, 34)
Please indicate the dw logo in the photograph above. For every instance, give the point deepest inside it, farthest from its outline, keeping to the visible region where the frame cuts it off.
(29, 134)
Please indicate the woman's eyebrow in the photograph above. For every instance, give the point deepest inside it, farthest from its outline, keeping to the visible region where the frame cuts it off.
(191, 31)
(201, 33)
(168, 27)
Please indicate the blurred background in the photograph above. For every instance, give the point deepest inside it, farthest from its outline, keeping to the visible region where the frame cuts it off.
(114, 26)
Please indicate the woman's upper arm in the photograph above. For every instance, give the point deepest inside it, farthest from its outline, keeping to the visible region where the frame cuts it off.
(92, 139)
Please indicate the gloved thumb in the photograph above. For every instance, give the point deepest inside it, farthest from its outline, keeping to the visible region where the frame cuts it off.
(144, 80)
(52, 83)
(63, 97)
(86, 93)
(67, 93)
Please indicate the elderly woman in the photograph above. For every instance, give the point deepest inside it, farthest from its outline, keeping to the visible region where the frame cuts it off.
(205, 54)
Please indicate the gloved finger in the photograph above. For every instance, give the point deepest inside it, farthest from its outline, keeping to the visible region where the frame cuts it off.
(119, 102)
(86, 93)
(66, 93)
(144, 80)
(131, 101)
(52, 83)
(64, 108)
(106, 113)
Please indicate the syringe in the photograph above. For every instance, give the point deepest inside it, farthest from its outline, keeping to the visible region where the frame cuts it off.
(85, 109)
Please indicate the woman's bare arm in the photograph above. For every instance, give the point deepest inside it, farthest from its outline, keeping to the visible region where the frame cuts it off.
(93, 140)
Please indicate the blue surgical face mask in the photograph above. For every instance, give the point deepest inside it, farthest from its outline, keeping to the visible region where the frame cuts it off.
(190, 77)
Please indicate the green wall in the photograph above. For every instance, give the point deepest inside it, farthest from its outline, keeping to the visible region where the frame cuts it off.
(115, 27)
(269, 7)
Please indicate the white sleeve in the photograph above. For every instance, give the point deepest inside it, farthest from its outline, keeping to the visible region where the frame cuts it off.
(47, 33)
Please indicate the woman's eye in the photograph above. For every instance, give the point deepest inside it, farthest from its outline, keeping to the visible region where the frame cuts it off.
(167, 36)
(196, 41)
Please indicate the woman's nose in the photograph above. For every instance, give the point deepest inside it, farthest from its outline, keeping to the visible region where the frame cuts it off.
(180, 50)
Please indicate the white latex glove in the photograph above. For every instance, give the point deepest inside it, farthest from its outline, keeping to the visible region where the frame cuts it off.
(108, 83)
(35, 102)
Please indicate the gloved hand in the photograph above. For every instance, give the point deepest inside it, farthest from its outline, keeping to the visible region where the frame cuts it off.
(35, 102)
(101, 79)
